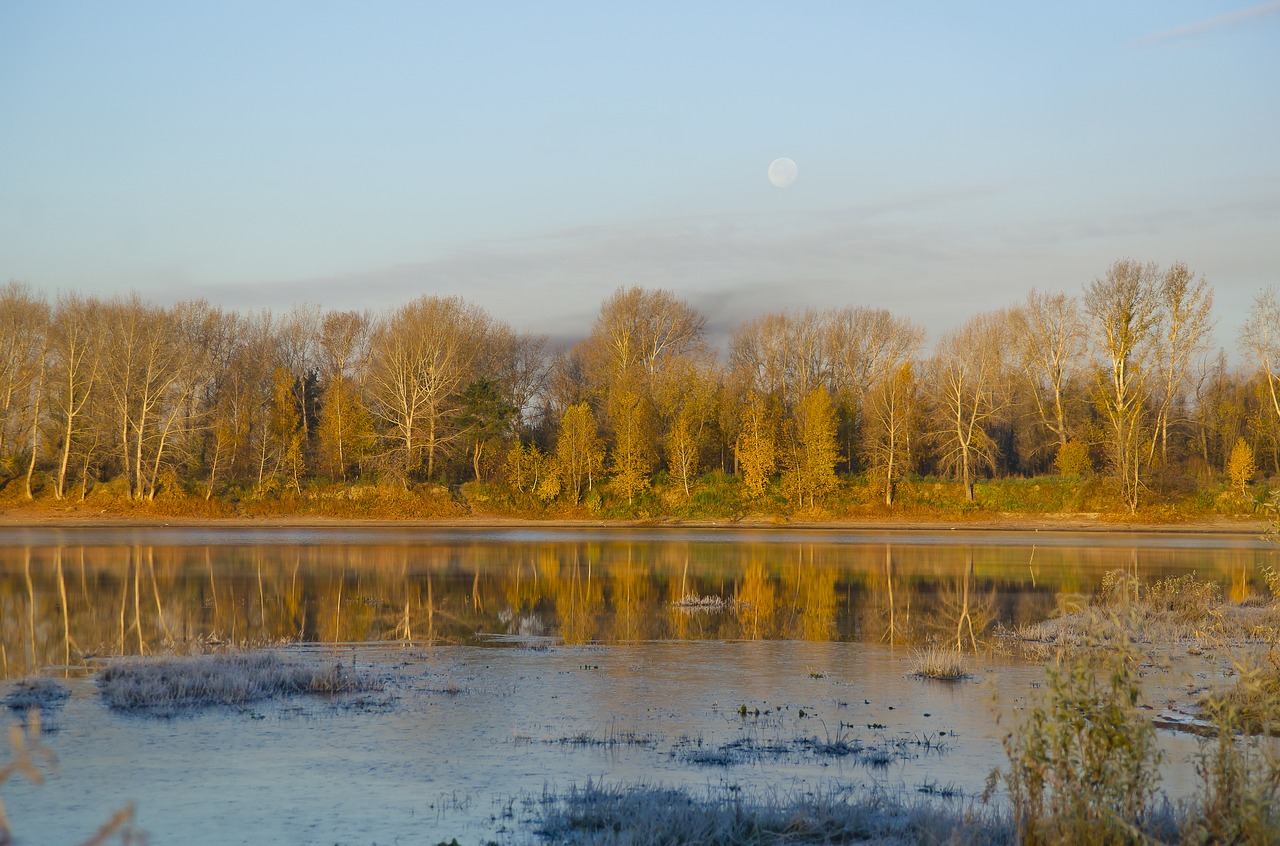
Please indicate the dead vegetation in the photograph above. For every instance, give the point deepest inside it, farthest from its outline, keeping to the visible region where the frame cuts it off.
(166, 686)
(1181, 610)
(940, 663)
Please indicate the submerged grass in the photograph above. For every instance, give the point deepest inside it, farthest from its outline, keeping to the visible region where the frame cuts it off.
(165, 686)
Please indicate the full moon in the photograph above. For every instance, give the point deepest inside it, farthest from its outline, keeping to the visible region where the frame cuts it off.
(782, 172)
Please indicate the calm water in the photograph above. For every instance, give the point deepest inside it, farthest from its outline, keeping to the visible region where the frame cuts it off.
(67, 595)
(600, 674)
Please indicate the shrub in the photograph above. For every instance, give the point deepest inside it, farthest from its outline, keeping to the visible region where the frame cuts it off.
(1082, 767)
(1073, 459)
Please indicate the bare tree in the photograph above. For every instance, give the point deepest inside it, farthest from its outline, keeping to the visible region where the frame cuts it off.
(759, 355)
(1186, 303)
(24, 324)
(421, 357)
(1260, 335)
(1125, 310)
(75, 363)
(1049, 336)
(892, 406)
(639, 328)
(968, 392)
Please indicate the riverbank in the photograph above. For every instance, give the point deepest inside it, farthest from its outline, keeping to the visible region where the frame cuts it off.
(142, 517)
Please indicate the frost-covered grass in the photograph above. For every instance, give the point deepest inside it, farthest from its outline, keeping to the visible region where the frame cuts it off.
(607, 815)
(36, 692)
(168, 685)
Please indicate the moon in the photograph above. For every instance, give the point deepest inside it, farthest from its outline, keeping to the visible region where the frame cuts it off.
(782, 172)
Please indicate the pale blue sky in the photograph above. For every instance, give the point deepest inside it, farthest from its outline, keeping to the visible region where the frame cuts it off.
(534, 156)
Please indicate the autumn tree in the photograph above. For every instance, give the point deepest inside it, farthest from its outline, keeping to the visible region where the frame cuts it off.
(632, 419)
(756, 447)
(1124, 309)
(74, 365)
(345, 430)
(1241, 467)
(579, 452)
(239, 399)
(866, 347)
(530, 470)
(640, 328)
(282, 446)
(140, 368)
(782, 355)
(812, 449)
(687, 397)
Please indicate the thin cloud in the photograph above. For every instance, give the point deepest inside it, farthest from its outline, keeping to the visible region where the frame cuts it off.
(1199, 28)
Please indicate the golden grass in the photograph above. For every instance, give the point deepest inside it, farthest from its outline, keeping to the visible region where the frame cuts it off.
(941, 663)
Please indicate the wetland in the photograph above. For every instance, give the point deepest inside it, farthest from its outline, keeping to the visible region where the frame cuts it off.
(501, 668)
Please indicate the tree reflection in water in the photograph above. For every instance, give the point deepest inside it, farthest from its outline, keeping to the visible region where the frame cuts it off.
(62, 603)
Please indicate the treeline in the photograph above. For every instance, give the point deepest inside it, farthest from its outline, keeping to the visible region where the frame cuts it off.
(1121, 381)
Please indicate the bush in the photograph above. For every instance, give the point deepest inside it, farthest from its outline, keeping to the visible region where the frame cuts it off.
(1082, 767)
(1073, 459)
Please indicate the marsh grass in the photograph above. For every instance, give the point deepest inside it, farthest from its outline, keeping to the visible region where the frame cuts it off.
(940, 663)
(166, 686)
(601, 815)
(1177, 609)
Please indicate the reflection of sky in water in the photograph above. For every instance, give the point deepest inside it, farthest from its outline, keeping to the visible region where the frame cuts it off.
(472, 729)
(134, 590)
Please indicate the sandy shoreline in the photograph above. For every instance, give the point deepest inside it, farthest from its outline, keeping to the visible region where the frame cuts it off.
(23, 517)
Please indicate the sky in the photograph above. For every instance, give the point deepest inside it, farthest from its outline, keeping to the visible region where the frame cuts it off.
(533, 157)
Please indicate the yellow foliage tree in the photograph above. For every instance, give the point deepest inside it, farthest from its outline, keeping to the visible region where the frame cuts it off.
(1241, 467)
(579, 452)
(756, 448)
(813, 450)
(631, 415)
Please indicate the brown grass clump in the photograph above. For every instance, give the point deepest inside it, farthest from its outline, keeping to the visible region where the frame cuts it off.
(166, 686)
(940, 663)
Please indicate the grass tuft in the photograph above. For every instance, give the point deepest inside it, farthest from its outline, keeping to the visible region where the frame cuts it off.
(940, 663)
(166, 686)
(36, 692)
